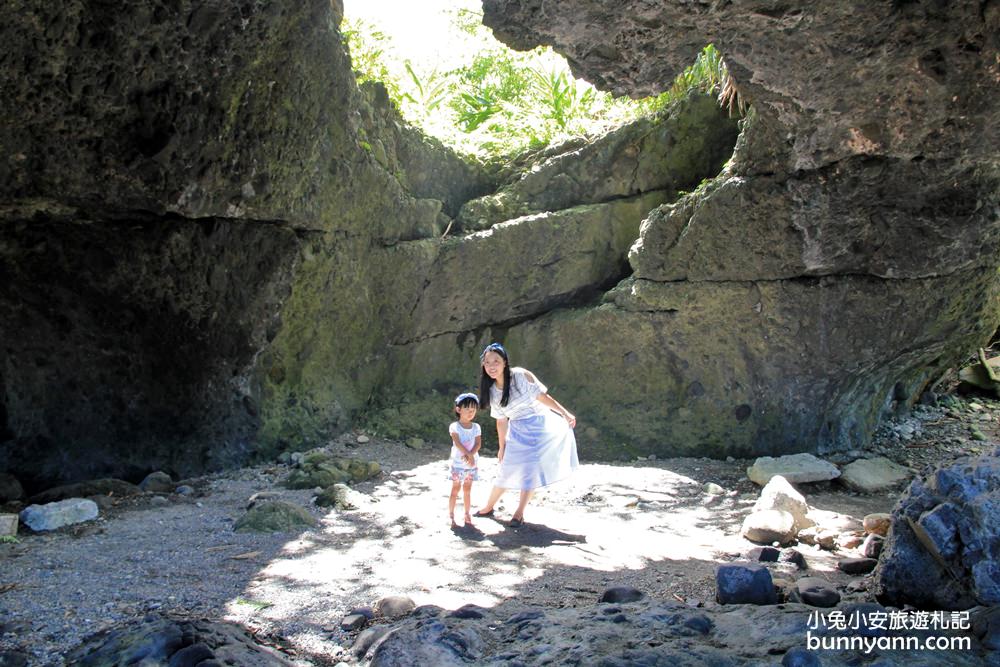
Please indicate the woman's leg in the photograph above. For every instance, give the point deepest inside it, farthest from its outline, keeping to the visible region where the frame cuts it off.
(522, 503)
(494, 497)
(452, 498)
(467, 499)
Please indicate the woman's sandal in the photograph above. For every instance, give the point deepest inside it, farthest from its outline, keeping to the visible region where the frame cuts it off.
(482, 515)
(516, 523)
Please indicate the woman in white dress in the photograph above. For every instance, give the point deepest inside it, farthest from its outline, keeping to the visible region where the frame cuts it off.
(535, 432)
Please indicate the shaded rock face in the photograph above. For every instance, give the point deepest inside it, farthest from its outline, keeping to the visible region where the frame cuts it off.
(214, 246)
(125, 341)
(903, 79)
(845, 257)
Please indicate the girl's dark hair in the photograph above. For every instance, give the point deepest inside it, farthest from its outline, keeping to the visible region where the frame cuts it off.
(485, 381)
(466, 400)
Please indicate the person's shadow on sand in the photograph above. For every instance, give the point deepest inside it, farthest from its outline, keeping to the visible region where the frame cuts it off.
(468, 532)
(534, 535)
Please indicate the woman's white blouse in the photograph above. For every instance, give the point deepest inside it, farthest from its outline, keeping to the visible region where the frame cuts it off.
(522, 400)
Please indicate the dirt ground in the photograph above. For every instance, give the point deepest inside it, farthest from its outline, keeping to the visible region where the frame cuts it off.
(647, 524)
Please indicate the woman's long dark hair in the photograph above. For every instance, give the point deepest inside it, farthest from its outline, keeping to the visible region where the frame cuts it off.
(485, 381)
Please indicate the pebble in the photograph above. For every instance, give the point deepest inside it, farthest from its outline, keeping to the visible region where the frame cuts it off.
(395, 606)
(857, 565)
(872, 546)
(817, 592)
(877, 523)
(353, 622)
(622, 594)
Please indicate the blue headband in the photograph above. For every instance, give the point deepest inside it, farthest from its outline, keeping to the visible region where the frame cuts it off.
(493, 347)
(468, 394)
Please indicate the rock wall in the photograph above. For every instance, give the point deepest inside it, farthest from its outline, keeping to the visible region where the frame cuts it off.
(214, 246)
(845, 258)
(172, 174)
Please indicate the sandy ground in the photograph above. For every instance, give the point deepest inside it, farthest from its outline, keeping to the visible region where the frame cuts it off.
(648, 524)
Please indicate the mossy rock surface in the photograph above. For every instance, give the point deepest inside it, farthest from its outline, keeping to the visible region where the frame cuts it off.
(275, 516)
(321, 469)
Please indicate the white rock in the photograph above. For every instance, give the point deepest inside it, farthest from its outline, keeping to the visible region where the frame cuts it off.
(834, 521)
(796, 468)
(778, 494)
(56, 515)
(769, 526)
(873, 475)
(362, 439)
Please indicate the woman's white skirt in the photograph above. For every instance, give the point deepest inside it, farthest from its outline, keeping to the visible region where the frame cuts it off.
(539, 451)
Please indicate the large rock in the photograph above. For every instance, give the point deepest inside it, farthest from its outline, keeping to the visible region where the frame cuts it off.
(275, 516)
(817, 592)
(744, 584)
(175, 641)
(157, 482)
(941, 550)
(816, 218)
(873, 475)
(767, 526)
(199, 251)
(653, 154)
(794, 468)
(778, 494)
(51, 516)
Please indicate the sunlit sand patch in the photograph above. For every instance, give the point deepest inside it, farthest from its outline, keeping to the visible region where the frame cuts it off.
(400, 542)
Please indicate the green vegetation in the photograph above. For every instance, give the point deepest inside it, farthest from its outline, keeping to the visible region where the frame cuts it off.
(9, 539)
(503, 102)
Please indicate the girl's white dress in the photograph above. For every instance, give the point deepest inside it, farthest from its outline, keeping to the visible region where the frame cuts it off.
(540, 447)
(459, 469)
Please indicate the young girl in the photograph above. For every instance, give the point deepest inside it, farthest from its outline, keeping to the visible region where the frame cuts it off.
(535, 432)
(466, 439)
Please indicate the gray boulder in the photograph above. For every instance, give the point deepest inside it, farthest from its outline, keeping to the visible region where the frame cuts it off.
(175, 642)
(744, 584)
(817, 592)
(395, 606)
(795, 468)
(941, 551)
(873, 475)
(58, 514)
(157, 482)
(275, 516)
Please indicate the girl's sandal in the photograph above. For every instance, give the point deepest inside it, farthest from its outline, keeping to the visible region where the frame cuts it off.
(516, 523)
(481, 514)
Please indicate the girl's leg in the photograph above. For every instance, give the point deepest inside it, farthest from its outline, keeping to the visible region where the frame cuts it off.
(522, 503)
(494, 497)
(467, 499)
(452, 499)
